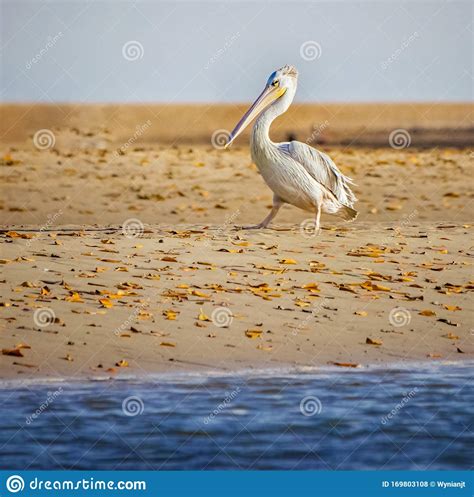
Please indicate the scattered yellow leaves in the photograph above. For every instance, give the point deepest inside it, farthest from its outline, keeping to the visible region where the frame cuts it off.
(378, 276)
(451, 336)
(202, 316)
(345, 364)
(197, 293)
(452, 307)
(373, 341)
(8, 160)
(144, 315)
(74, 297)
(253, 334)
(312, 287)
(369, 250)
(170, 314)
(14, 234)
(263, 290)
(427, 312)
(22, 345)
(368, 285)
(288, 261)
(346, 287)
(393, 207)
(16, 352)
(302, 303)
(106, 303)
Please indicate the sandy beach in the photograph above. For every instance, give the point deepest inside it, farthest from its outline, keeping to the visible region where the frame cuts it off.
(134, 262)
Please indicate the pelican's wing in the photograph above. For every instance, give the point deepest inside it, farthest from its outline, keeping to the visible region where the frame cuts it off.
(321, 167)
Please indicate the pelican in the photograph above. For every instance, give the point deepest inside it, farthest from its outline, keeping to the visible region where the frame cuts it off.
(296, 173)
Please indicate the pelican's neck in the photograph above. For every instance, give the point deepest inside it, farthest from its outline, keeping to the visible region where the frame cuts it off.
(261, 128)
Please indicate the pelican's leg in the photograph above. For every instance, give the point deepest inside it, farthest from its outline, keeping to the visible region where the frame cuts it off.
(277, 203)
(317, 219)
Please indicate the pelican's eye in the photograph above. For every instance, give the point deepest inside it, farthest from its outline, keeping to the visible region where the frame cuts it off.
(275, 83)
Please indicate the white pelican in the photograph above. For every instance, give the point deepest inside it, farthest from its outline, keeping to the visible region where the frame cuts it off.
(296, 173)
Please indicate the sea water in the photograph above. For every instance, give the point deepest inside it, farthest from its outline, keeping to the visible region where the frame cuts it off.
(382, 418)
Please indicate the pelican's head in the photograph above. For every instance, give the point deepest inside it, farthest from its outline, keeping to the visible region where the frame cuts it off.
(280, 87)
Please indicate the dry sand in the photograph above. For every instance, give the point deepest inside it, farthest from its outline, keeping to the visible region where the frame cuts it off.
(109, 302)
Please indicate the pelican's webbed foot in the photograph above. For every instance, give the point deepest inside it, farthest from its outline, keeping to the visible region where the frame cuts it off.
(277, 203)
(256, 226)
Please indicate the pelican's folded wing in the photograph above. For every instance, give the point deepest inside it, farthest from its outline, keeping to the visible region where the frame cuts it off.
(321, 167)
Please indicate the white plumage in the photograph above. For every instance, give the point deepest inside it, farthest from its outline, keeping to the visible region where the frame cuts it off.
(296, 173)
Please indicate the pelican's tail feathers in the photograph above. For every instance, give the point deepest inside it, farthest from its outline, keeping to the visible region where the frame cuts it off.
(347, 213)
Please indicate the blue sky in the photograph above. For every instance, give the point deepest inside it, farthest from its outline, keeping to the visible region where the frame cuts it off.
(154, 51)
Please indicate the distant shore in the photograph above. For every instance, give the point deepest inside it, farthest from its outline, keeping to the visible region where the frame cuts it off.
(349, 124)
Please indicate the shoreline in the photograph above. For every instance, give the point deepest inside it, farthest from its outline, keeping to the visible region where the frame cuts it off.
(188, 376)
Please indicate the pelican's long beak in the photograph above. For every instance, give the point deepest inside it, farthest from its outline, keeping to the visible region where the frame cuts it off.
(267, 97)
